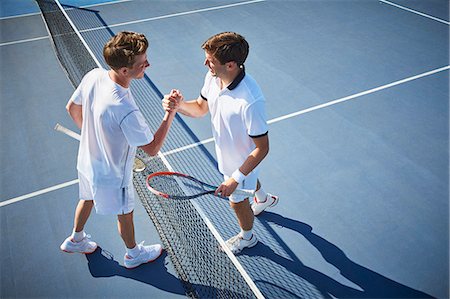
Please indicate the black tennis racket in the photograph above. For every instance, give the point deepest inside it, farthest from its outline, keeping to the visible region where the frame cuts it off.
(174, 185)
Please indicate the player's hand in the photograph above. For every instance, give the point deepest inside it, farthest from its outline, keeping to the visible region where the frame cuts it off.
(171, 102)
(226, 188)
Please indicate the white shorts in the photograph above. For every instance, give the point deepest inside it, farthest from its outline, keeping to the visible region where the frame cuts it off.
(249, 183)
(107, 200)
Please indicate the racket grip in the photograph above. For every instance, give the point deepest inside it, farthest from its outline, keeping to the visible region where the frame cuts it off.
(244, 192)
(68, 132)
(166, 116)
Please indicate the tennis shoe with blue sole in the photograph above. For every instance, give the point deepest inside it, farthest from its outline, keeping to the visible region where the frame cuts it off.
(236, 244)
(258, 207)
(147, 254)
(85, 246)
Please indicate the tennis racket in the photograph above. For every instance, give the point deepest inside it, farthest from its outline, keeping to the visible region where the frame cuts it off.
(68, 132)
(174, 185)
(138, 164)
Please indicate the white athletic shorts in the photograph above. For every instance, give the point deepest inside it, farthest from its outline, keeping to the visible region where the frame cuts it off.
(249, 183)
(107, 200)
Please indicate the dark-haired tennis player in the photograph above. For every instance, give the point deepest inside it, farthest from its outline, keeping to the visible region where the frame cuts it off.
(112, 127)
(240, 130)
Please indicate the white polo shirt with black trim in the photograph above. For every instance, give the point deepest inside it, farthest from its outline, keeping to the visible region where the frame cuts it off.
(237, 115)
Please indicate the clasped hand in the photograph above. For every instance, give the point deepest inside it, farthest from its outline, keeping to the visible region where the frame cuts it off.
(171, 102)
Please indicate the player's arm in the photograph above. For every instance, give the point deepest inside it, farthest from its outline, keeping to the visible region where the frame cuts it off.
(153, 147)
(76, 112)
(173, 105)
(256, 156)
(195, 108)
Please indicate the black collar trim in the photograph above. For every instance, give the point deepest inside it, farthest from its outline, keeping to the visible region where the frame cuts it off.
(237, 80)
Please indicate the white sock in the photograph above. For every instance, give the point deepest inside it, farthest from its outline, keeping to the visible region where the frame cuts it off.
(78, 236)
(246, 234)
(133, 252)
(260, 195)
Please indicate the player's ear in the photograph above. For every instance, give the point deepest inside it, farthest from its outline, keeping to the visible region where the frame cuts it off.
(231, 65)
(123, 71)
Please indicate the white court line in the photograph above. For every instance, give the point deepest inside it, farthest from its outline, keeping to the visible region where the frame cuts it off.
(20, 16)
(104, 3)
(36, 193)
(415, 11)
(23, 41)
(360, 94)
(174, 15)
(186, 147)
(143, 20)
(273, 120)
(45, 37)
(84, 6)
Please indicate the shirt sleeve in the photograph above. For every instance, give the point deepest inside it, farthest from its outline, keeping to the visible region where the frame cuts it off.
(255, 119)
(77, 96)
(205, 88)
(135, 129)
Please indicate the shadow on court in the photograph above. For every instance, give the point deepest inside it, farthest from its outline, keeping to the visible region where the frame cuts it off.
(102, 264)
(373, 285)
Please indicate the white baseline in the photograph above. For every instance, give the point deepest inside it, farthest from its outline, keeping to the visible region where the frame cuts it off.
(415, 11)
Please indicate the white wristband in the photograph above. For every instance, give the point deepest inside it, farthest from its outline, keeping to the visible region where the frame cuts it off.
(238, 176)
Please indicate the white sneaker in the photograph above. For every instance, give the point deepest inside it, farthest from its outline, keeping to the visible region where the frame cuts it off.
(85, 246)
(259, 207)
(236, 244)
(146, 254)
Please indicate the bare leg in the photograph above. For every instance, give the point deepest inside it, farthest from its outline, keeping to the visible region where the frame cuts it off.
(125, 225)
(244, 214)
(82, 213)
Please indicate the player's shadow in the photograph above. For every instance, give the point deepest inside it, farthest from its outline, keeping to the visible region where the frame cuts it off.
(373, 284)
(102, 264)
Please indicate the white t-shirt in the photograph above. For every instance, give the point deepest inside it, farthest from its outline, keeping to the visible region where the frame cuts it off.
(112, 129)
(237, 114)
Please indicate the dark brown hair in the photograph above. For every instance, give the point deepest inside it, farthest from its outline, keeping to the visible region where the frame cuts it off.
(121, 50)
(226, 47)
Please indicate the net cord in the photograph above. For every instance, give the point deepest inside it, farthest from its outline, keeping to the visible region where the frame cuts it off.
(211, 227)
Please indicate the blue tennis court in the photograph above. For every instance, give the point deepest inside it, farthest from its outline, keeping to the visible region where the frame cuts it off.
(357, 99)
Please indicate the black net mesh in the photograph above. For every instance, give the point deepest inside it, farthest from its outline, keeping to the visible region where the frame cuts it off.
(73, 56)
(205, 271)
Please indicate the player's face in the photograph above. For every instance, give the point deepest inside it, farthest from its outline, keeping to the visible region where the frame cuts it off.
(215, 67)
(139, 66)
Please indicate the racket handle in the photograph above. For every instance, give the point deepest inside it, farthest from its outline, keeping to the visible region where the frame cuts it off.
(68, 132)
(166, 116)
(244, 192)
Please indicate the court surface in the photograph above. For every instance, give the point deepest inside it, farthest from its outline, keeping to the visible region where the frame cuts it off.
(357, 100)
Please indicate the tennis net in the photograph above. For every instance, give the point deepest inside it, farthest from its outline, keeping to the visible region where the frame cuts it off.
(189, 237)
